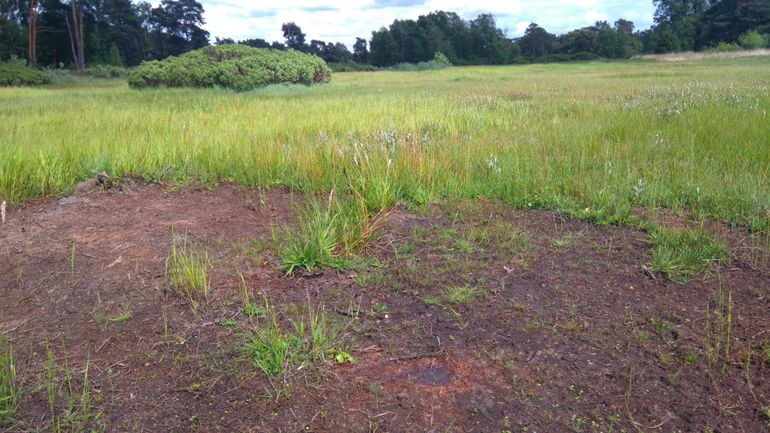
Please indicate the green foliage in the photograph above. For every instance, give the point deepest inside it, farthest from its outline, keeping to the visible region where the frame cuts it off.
(236, 67)
(351, 67)
(107, 71)
(431, 65)
(725, 47)
(441, 58)
(752, 40)
(115, 58)
(9, 392)
(681, 254)
(14, 74)
(311, 338)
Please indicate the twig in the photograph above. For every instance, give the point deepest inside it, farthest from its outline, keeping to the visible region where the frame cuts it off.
(417, 356)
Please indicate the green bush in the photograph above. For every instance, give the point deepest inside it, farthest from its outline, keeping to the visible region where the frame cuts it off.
(236, 67)
(14, 74)
(351, 67)
(752, 40)
(107, 71)
(431, 65)
(725, 47)
(440, 57)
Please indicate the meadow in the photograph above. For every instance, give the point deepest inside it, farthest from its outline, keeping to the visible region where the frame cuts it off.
(594, 140)
(575, 247)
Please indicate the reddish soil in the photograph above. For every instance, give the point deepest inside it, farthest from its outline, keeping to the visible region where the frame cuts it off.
(565, 333)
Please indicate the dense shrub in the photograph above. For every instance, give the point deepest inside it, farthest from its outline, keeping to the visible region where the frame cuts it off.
(351, 67)
(236, 67)
(725, 47)
(107, 71)
(14, 74)
(422, 66)
(753, 40)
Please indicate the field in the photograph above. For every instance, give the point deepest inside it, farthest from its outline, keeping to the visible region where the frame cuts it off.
(579, 247)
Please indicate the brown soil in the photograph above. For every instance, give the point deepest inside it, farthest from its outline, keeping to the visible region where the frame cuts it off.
(565, 332)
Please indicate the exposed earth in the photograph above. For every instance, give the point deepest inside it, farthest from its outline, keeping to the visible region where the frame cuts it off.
(464, 317)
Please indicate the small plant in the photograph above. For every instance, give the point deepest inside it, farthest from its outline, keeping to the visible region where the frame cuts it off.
(311, 338)
(186, 271)
(9, 391)
(78, 413)
(719, 325)
(681, 254)
(461, 295)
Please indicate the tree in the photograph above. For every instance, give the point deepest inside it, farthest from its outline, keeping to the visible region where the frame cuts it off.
(292, 33)
(76, 34)
(177, 28)
(536, 42)
(360, 51)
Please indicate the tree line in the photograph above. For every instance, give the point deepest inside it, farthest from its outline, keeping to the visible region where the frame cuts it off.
(56, 33)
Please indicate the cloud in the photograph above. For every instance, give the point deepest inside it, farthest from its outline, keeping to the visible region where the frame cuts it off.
(381, 4)
(335, 21)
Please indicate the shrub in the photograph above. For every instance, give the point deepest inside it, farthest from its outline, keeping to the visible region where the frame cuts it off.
(752, 40)
(431, 65)
(441, 58)
(725, 47)
(351, 67)
(233, 66)
(585, 55)
(107, 71)
(14, 74)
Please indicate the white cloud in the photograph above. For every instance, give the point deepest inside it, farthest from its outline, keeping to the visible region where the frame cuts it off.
(334, 21)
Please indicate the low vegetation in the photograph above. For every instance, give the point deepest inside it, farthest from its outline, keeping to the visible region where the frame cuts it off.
(9, 387)
(236, 67)
(186, 270)
(14, 74)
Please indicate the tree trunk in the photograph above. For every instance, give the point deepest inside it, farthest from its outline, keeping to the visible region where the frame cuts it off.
(77, 40)
(32, 33)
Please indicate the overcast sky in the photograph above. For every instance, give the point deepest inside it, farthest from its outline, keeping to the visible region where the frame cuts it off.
(338, 21)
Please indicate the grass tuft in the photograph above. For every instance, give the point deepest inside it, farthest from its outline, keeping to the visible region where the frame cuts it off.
(682, 254)
(9, 391)
(311, 338)
(186, 271)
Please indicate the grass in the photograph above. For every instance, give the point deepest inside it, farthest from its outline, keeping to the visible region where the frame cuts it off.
(681, 254)
(592, 140)
(311, 338)
(70, 399)
(186, 270)
(9, 387)
(330, 233)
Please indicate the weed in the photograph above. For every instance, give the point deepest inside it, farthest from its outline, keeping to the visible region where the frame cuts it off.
(9, 387)
(719, 322)
(186, 271)
(251, 308)
(461, 295)
(681, 254)
(311, 338)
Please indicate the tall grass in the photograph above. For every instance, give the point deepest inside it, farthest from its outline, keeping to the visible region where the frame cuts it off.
(9, 387)
(594, 139)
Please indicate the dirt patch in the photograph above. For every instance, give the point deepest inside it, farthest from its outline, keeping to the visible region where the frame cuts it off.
(470, 316)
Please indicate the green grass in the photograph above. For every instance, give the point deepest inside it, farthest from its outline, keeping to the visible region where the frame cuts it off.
(9, 387)
(593, 140)
(681, 254)
(311, 338)
(186, 270)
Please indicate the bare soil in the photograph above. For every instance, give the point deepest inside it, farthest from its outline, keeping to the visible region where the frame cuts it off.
(564, 332)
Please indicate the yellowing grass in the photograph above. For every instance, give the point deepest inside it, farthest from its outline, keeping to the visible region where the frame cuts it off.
(591, 139)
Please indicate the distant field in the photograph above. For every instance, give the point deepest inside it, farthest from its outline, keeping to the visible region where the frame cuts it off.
(594, 140)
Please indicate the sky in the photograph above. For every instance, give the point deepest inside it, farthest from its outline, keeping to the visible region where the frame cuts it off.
(343, 21)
